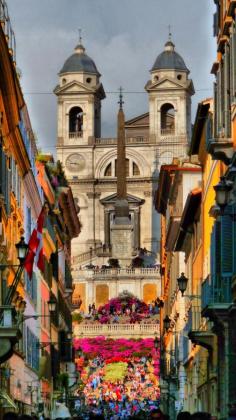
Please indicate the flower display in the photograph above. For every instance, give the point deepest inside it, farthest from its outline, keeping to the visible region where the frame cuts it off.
(115, 371)
(121, 347)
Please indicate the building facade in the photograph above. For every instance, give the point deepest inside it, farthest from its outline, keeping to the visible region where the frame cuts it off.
(90, 163)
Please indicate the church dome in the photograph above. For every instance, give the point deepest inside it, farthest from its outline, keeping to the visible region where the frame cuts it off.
(79, 62)
(169, 59)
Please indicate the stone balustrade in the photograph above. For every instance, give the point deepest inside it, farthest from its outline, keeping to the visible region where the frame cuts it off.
(75, 134)
(117, 272)
(117, 330)
(129, 140)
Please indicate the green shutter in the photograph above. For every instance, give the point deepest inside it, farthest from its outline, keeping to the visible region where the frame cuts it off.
(226, 246)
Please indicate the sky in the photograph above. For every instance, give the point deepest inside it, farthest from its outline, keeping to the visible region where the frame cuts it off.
(123, 37)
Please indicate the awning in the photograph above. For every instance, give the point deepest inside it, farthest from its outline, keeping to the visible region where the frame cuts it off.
(6, 401)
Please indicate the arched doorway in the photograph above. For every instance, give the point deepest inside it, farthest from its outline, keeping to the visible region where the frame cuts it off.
(79, 293)
(149, 293)
(102, 294)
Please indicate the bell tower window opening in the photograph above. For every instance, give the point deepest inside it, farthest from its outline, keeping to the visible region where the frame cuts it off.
(126, 167)
(76, 122)
(167, 119)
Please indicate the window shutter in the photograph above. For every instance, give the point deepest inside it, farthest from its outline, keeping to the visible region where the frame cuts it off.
(215, 255)
(233, 64)
(222, 92)
(227, 92)
(226, 246)
(34, 288)
(213, 260)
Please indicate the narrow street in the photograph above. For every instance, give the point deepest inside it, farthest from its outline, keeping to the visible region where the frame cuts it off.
(117, 209)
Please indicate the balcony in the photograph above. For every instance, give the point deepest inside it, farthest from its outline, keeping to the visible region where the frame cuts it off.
(216, 296)
(117, 330)
(76, 135)
(9, 332)
(197, 334)
(220, 148)
(166, 132)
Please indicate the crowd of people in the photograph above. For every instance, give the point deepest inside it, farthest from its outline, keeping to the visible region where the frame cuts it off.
(121, 398)
(129, 313)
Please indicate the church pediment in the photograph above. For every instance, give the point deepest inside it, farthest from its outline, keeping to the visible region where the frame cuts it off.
(140, 120)
(167, 84)
(74, 87)
(131, 200)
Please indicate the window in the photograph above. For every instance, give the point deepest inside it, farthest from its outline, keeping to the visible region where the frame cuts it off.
(76, 120)
(108, 170)
(167, 119)
(88, 80)
(179, 77)
(136, 170)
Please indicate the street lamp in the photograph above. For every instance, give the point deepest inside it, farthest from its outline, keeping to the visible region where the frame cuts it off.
(22, 249)
(52, 304)
(182, 283)
(222, 190)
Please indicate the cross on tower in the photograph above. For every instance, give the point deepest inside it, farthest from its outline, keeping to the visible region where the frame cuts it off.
(80, 36)
(121, 102)
(170, 34)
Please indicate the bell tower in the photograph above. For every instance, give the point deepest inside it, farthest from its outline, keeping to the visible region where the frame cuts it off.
(79, 95)
(170, 91)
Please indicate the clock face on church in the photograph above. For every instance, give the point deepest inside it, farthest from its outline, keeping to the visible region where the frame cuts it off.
(75, 162)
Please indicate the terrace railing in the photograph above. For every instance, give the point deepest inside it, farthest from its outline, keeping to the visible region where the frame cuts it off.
(117, 330)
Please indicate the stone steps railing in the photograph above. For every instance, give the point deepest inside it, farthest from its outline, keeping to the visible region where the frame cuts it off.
(93, 330)
(87, 255)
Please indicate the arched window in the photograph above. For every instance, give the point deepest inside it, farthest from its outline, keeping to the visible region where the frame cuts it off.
(108, 170)
(167, 119)
(136, 170)
(126, 167)
(76, 122)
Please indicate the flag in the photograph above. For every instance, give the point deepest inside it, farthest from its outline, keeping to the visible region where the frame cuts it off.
(35, 251)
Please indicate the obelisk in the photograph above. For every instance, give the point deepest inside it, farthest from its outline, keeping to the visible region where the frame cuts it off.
(122, 229)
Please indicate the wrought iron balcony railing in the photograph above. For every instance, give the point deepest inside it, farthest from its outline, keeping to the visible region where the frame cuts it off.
(216, 291)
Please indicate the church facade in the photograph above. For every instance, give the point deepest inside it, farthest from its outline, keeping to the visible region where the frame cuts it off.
(90, 164)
